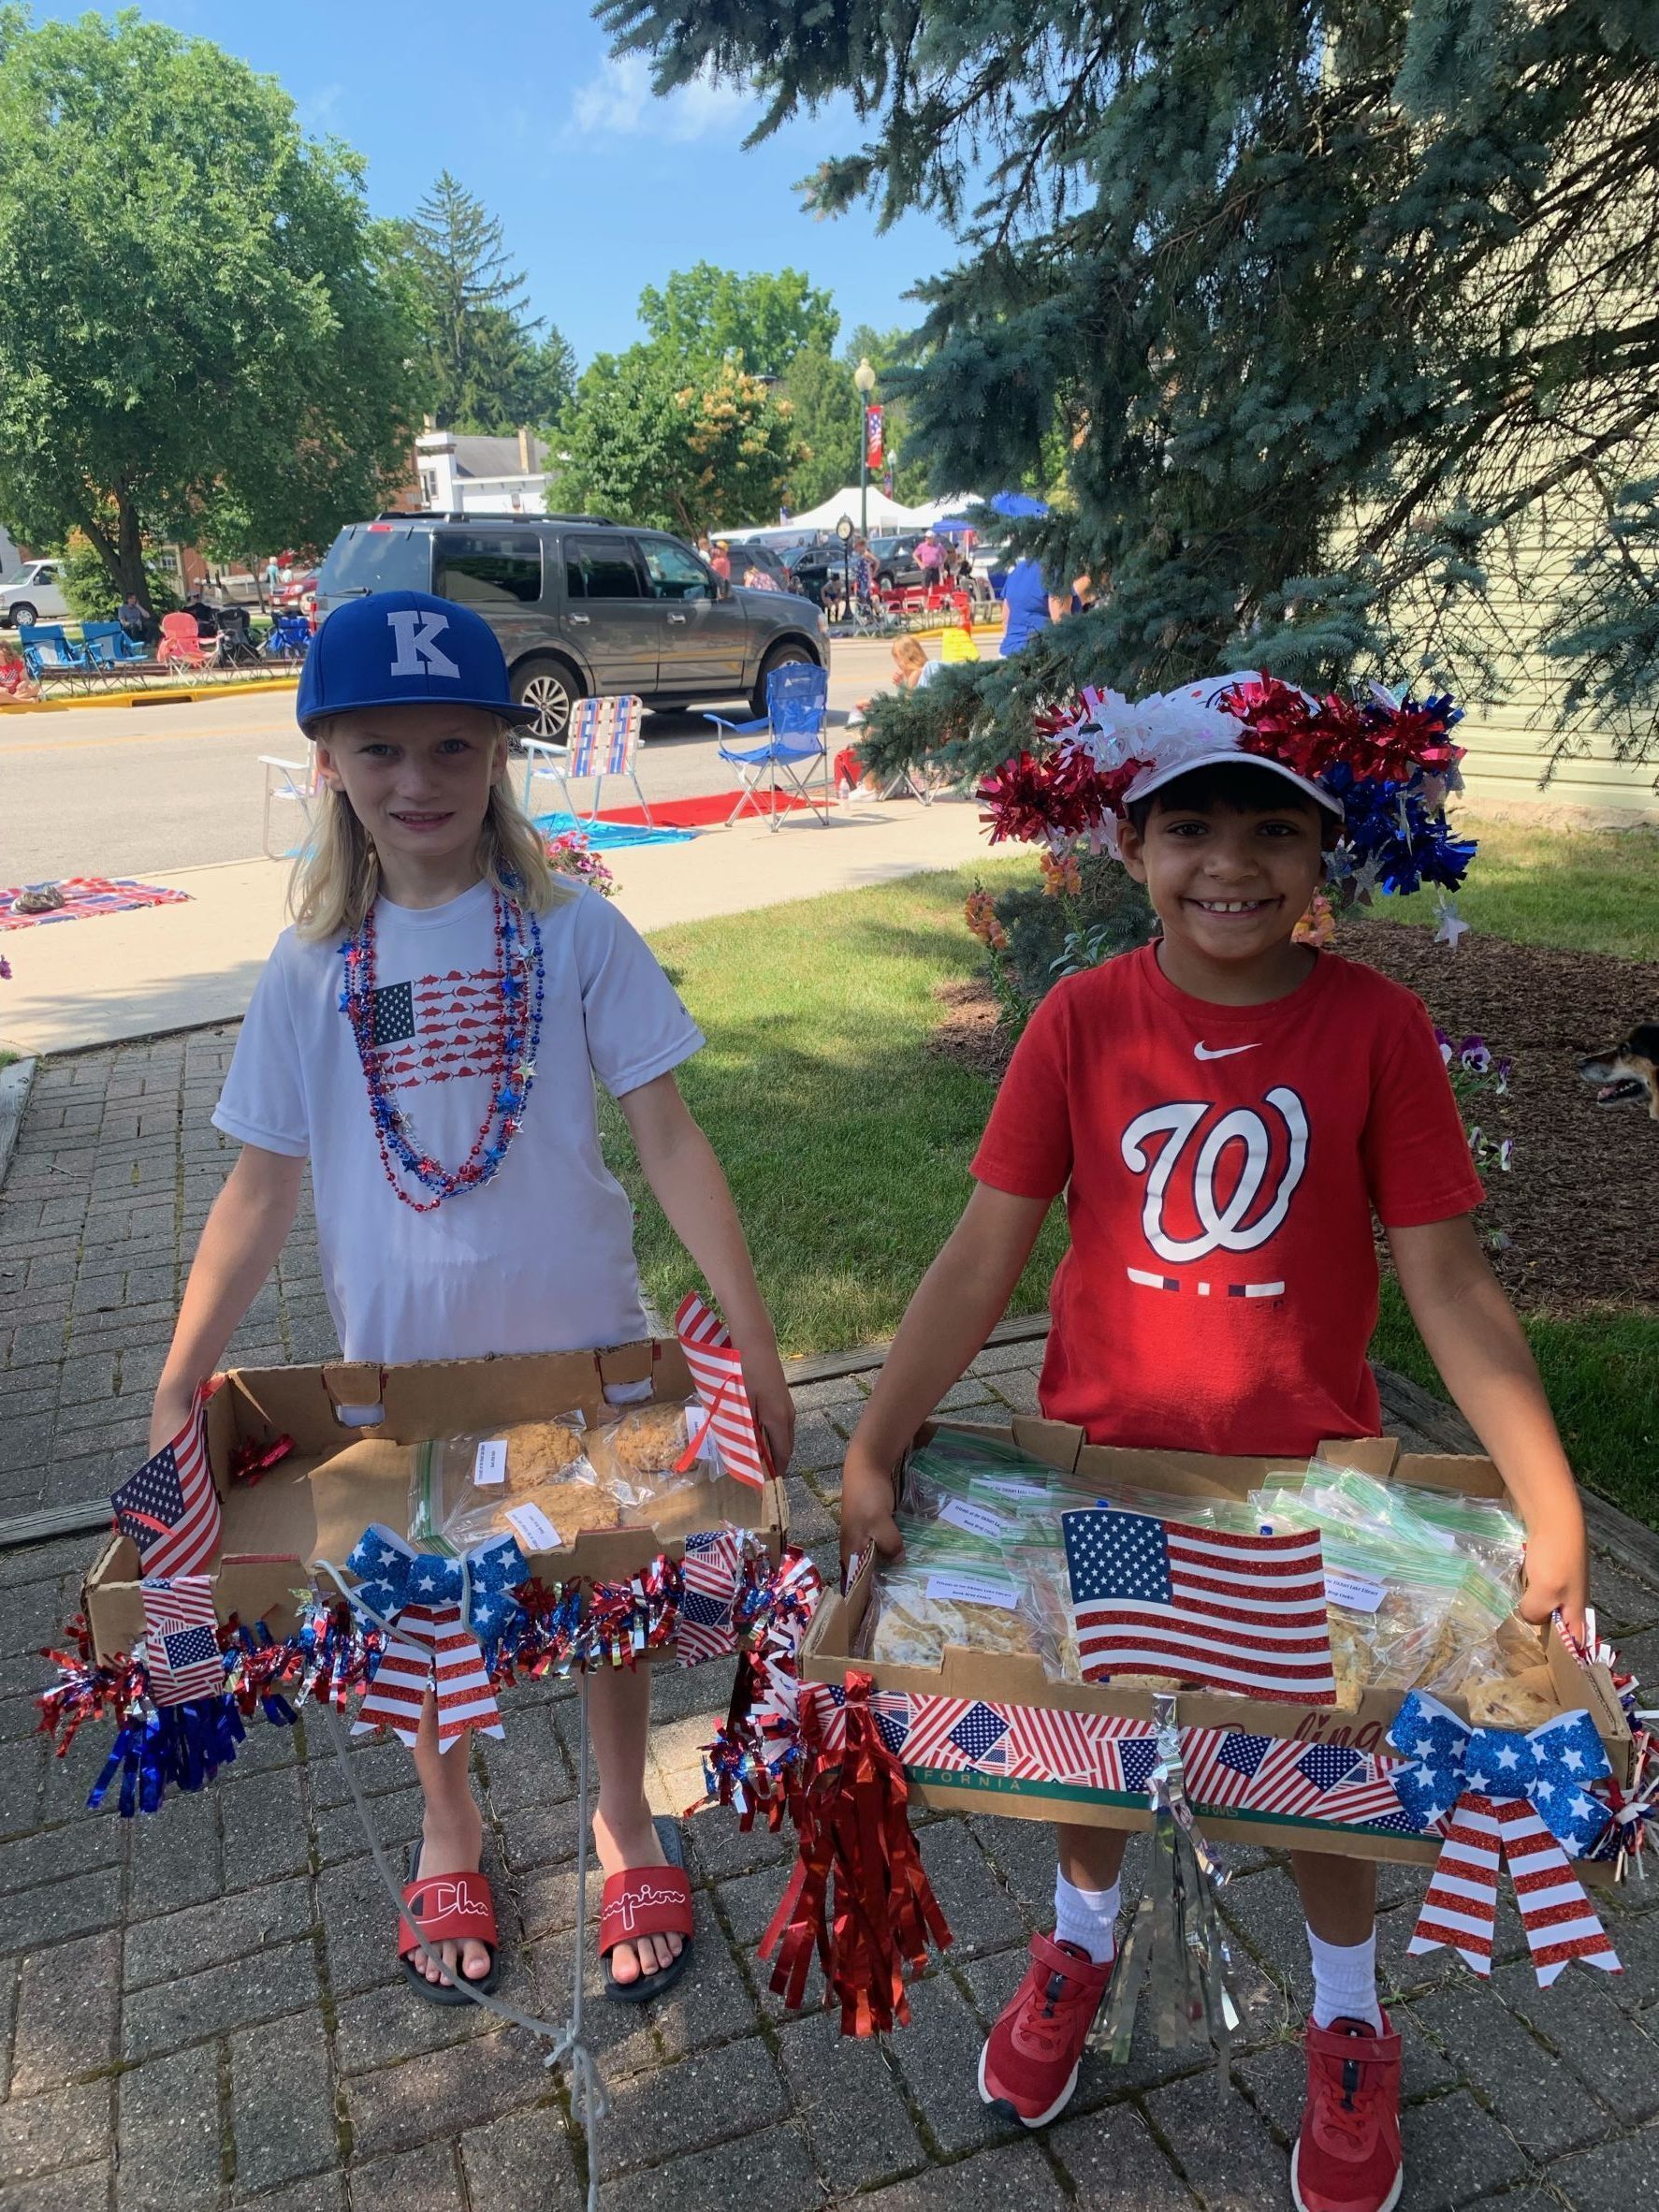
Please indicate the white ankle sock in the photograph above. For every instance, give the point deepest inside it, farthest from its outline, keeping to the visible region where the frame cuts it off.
(1344, 1980)
(1088, 1917)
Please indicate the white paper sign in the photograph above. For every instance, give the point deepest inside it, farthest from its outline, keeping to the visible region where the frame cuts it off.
(973, 1590)
(532, 1528)
(489, 1462)
(979, 1520)
(1354, 1594)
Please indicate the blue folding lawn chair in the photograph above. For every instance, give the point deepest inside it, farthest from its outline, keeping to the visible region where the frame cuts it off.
(47, 651)
(107, 646)
(289, 639)
(798, 695)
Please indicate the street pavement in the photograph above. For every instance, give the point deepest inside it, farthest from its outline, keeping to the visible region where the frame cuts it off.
(203, 2010)
(126, 791)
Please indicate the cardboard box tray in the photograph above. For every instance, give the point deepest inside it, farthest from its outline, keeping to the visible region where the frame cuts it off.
(316, 1502)
(1003, 1681)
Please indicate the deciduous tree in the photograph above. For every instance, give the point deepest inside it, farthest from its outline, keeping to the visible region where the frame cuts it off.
(196, 310)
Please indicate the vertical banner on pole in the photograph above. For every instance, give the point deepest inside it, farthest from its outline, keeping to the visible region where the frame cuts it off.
(875, 447)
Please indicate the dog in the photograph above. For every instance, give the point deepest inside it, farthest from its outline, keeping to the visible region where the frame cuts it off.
(1627, 1073)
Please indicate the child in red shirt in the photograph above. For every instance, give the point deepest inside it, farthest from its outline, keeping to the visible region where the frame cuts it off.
(1224, 1110)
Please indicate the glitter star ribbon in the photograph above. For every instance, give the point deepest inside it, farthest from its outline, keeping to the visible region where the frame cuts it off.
(1504, 1795)
(440, 1615)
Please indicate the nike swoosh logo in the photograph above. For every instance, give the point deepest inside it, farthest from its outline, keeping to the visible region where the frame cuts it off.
(1222, 1051)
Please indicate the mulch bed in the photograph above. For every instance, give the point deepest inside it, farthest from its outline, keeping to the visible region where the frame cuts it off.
(1577, 1209)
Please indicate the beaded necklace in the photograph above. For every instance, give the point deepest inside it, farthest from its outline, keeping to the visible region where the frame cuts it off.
(511, 1053)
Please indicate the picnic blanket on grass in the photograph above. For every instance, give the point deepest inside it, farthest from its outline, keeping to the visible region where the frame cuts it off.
(88, 895)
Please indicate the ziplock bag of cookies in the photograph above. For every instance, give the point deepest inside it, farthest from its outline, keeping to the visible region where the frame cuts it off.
(950, 1466)
(647, 1451)
(531, 1479)
(946, 1591)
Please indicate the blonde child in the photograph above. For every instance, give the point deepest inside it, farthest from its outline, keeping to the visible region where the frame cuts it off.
(909, 670)
(428, 1035)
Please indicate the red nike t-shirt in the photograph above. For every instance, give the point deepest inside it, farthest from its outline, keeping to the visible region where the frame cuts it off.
(1221, 1166)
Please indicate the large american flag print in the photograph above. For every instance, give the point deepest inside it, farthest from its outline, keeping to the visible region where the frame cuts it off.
(1235, 1612)
(170, 1508)
(181, 1638)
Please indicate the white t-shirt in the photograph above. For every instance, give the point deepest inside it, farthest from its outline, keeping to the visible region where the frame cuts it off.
(541, 1257)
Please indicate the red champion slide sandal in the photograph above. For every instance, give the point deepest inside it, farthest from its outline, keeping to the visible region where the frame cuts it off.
(647, 1900)
(445, 1909)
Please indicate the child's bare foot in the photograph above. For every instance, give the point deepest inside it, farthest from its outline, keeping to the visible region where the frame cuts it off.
(623, 1844)
(452, 1842)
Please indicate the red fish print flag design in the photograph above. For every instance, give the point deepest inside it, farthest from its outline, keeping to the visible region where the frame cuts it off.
(170, 1508)
(717, 1370)
(1234, 1612)
(437, 1028)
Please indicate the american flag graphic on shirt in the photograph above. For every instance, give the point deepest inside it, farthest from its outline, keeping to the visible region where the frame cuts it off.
(436, 1028)
(181, 1638)
(1235, 1612)
(170, 1508)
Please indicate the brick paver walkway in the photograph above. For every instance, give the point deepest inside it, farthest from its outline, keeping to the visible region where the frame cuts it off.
(202, 2010)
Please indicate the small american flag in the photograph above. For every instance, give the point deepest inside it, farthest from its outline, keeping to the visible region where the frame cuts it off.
(708, 1589)
(170, 1508)
(717, 1370)
(1238, 1612)
(1230, 1768)
(181, 1638)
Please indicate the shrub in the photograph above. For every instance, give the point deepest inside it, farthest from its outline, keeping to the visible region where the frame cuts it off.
(93, 598)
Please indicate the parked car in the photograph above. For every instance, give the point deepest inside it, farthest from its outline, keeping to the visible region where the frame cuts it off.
(583, 606)
(296, 590)
(896, 566)
(34, 595)
(751, 553)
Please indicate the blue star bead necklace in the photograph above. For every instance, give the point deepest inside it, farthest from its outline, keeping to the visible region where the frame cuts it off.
(511, 1053)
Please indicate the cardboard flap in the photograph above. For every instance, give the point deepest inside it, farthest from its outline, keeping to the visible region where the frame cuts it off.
(358, 1385)
(1366, 1455)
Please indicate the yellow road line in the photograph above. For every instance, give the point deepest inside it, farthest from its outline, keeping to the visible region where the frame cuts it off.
(73, 744)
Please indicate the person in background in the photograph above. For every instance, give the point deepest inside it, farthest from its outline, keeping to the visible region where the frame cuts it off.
(910, 670)
(929, 558)
(1028, 606)
(135, 619)
(205, 616)
(720, 559)
(755, 577)
(705, 550)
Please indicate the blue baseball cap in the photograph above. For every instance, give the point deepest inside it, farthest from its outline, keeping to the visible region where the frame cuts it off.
(404, 648)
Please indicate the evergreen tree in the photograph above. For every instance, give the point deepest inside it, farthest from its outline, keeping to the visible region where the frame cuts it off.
(484, 368)
(1318, 310)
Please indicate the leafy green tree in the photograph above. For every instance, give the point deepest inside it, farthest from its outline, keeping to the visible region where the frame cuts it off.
(647, 443)
(1318, 312)
(826, 405)
(706, 314)
(91, 593)
(196, 310)
(484, 367)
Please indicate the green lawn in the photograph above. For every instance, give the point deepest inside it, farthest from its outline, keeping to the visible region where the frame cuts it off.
(847, 1143)
(1585, 891)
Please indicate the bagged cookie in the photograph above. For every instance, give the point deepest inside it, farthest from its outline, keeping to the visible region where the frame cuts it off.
(648, 1451)
(531, 1481)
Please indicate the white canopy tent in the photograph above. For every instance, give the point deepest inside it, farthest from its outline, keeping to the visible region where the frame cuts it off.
(885, 515)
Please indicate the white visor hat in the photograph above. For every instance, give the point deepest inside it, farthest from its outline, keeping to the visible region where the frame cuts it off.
(1177, 731)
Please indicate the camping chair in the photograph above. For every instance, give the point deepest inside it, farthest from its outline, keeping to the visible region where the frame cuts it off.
(289, 781)
(107, 646)
(798, 695)
(47, 651)
(234, 646)
(289, 639)
(182, 641)
(602, 741)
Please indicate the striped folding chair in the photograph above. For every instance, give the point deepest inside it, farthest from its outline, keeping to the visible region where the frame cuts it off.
(602, 741)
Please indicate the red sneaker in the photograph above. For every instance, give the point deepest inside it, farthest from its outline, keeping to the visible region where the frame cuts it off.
(1028, 2067)
(1347, 2158)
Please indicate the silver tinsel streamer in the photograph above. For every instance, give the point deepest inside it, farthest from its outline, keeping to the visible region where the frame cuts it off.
(1177, 1943)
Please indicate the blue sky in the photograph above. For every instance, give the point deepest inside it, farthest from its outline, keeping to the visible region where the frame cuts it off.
(600, 188)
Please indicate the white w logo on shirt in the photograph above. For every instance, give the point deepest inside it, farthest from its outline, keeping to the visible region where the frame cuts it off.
(1226, 1227)
(418, 652)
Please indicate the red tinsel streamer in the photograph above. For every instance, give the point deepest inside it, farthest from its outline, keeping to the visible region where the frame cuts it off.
(856, 1831)
(87, 1690)
(1376, 742)
(1039, 795)
(249, 1461)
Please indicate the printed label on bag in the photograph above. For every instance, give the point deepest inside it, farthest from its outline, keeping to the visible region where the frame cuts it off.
(973, 1590)
(978, 1521)
(532, 1528)
(1354, 1594)
(1013, 1486)
(489, 1462)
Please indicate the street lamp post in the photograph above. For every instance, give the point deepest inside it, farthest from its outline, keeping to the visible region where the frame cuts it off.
(864, 376)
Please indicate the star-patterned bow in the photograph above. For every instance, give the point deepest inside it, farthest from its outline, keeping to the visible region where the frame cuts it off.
(437, 1613)
(1505, 1795)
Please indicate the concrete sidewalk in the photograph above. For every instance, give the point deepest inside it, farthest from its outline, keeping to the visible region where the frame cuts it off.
(98, 981)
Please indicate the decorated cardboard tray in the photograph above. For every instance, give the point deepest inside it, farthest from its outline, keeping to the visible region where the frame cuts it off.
(984, 1732)
(314, 1502)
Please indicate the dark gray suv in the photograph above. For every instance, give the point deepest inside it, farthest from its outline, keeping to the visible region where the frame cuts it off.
(584, 606)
